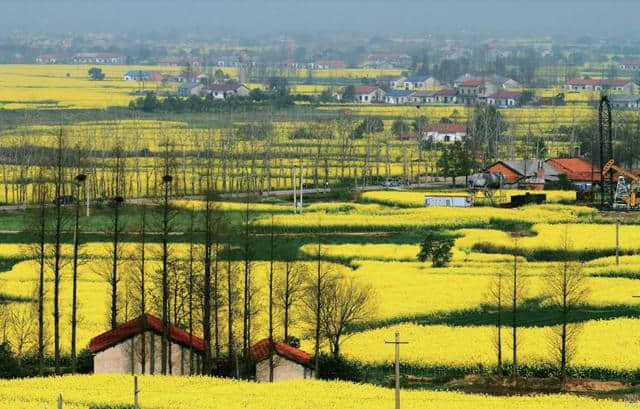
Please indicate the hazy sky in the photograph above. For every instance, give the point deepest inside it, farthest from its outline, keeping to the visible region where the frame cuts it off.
(570, 17)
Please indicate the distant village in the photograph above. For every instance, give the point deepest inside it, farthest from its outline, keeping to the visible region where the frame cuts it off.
(466, 89)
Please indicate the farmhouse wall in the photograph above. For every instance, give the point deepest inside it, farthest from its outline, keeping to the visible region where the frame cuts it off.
(509, 174)
(284, 369)
(117, 359)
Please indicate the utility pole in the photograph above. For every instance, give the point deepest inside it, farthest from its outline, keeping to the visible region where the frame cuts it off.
(618, 241)
(301, 185)
(397, 344)
(135, 392)
(293, 186)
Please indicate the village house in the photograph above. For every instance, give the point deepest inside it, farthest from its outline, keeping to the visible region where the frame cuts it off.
(423, 97)
(99, 58)
(137, 75)
(290, 63)
(420, 81)
(364, 94)
(387, 60)
(505, 99)
(624, 101)
(446, 96)
(119, 350)
(397, 96)
(190, 88)
(47, 59)
(493, 81)
(470, 91)
(391, 81)
(327, 64)
(516, 171)
(288, 362)
(170, 61)
(443, 132)
(601, 84)
(227, 90)
(630, 64)
(577, 170)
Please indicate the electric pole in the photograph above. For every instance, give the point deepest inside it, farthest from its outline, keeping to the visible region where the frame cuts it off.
(618, 241)
(397, 344)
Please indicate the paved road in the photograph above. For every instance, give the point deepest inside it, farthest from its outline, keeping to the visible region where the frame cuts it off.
(279, 193)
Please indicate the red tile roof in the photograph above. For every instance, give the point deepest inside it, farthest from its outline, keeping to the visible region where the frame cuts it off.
(506, 95)
(576, 169)
(261, 351)
(362, 89)
(447, 128)
(136, 326)
(472, 83)
(447, 92)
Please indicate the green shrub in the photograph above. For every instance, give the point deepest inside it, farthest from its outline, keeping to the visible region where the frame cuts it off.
(9, 365)
(436, 247)
(337, 367)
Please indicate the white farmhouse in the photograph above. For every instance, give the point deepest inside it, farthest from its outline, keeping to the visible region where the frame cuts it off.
(288, 362)
(505, 99)
(120, 350)
(364, 94)
(443, 132)
(228, 89)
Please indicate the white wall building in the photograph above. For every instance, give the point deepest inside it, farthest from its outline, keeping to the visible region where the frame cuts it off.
(119, 351)
(445, 132)
(289, 362)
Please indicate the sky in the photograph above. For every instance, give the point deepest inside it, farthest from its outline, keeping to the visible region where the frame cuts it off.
(250, 17)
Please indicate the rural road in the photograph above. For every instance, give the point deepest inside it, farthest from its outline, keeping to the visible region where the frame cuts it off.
(279, 193)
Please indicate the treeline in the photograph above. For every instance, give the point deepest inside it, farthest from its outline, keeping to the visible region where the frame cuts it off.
(210, 285)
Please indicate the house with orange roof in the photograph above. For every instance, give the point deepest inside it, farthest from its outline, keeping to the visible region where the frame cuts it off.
(288, 362)
(135, 347)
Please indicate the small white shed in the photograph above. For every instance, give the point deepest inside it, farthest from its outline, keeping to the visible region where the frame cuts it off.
(448, 201)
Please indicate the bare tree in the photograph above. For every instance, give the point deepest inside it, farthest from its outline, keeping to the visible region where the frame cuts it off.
(346, 301)
(247, 256)
(139, 284)
(568, 290)
(80, 180)
(166, 222)
(206, 293)
(516, 287)
(22, 325)
(39, 249)
(496, 297)
(289, 290)
(313, 301)
(60, 220)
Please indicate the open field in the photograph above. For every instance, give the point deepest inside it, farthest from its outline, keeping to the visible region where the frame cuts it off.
(199, 393)
(438, 308)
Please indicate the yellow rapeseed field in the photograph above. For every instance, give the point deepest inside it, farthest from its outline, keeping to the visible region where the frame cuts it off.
(416, 198)
(611, 344)
(158, 392)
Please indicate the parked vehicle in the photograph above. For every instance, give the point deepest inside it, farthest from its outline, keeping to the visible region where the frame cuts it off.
(64, 200)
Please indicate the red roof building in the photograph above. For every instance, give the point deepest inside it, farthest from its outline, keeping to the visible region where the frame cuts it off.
(447, 128)
(576, 169)
(472, 83)
(139, 325)
(288, 362)
(261, 351)
(120, 350)
(599, 84)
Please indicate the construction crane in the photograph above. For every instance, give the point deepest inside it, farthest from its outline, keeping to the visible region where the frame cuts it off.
(626, 196)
